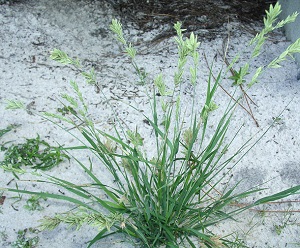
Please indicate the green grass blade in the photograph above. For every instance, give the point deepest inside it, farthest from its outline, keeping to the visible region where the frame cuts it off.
(97, 237)
(53, 196)
(278, 196)
(110, 193)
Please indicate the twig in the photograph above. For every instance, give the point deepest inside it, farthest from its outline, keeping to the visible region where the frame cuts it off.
(246, 96)
(232, 96)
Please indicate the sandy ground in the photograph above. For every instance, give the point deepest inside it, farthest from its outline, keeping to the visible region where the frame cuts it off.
(30, 30)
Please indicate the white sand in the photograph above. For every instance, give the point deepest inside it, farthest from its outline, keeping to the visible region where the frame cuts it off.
(30, 30)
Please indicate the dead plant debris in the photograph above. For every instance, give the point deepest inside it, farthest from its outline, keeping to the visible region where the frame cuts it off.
(195, 14)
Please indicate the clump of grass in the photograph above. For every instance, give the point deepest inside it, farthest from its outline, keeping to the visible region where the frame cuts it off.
(66, 110)
(34, 153)
(33, 203)
(3, 236)
(24, 240)
(178, 194)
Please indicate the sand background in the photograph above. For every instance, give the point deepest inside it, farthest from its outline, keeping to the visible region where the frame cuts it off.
(29, 30)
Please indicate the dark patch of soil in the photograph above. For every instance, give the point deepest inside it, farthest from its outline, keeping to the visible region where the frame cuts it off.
(194, 14)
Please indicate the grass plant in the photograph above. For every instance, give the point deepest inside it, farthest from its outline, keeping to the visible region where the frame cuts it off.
(174, 197)
(33, 203)
(3, 236)
(34, 153)
(24, 239)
